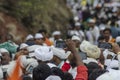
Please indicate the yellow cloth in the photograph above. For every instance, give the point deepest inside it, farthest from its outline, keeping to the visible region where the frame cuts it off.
(83, 2)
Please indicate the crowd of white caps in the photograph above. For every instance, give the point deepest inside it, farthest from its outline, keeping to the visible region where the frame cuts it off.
(41, 48)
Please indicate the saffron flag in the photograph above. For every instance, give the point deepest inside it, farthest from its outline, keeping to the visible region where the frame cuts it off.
(16, 72)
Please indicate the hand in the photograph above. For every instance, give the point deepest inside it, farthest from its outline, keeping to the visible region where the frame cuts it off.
(70, 44)
(17, 55)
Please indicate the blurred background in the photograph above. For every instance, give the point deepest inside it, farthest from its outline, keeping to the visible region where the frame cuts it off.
(18, 18)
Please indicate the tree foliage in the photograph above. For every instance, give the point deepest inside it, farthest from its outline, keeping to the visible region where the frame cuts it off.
(48, 14)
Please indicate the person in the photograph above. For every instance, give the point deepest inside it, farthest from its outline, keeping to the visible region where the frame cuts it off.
(41, 72)
(23, 49)
(107, 35)
(93, 33)
(81, 68)
(96, 73)
(56, 36)
(108, 74)
(5, 61)
(5, 56)
(78, 41)
(77, 31)
(68, 76)
(30, 40)
(114, 31)
(39, 39)
(58, 72)
(59, 59)
(92, 66)
(44, 33)
(44, 54)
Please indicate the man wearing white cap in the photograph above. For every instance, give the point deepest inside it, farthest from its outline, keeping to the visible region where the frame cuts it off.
(60, 57)
(39, 39)
(23, 49)
(77, 41)
(56, 36)
(30, 40)
(5, 60)
(77, 31)
(93, 32)
(5, 56)
(44, 54)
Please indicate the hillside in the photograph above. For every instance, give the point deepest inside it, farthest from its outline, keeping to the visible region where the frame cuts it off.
(31, 15)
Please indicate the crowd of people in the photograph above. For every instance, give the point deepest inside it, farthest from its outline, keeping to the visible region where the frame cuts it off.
(91, 17)
(89, 51)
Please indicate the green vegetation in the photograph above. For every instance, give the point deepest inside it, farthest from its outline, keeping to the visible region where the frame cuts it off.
(37, 14)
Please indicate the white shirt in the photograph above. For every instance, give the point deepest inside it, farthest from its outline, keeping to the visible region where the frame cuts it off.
(79, 33)
(93, 34)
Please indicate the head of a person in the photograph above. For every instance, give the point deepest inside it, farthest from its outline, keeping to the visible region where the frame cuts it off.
(43, 54)
(56, 35)
(9, 37)
(91, 23)
(92, 66)
(101, 39)
(41, 72)
(58, 72)
(5, 56)
(77, 41)
(77, 26)
(96, 73)
(30, 37)
(31, 50)
(107, 33)
(68, 76)
(23, 49)
(101, 27)
(59, 55)
(43, 32)
(39, 39)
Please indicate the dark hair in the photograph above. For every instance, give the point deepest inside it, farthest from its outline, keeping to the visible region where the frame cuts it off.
(91, 66)
(68, 76)
(96, 73)
(41, 72)
(58, 72)
(107, 29)
(42, 31)
(101, 37)
(26, 77)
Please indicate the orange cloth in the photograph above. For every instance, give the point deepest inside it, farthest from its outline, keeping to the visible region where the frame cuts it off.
(48, 42)
(112, 40)
(16, 72)
(82, 73)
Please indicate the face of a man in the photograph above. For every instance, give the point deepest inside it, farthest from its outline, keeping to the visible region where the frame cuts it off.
(57, 37)
(39, 41)
(106, 34)
(91, 24)
(5, 58)
(77, 27)
(24, 51)
(77, 43)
